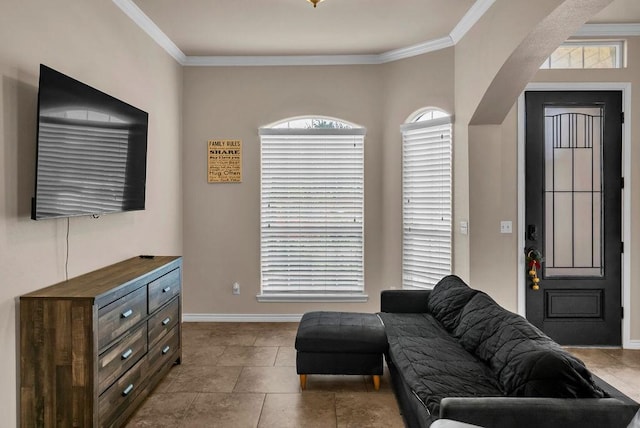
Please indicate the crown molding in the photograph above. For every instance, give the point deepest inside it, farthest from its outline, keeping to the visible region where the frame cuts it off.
(390, 56)
(230, 61)
(608, 30)
(415, 50)
(149, 27)
(472, 16)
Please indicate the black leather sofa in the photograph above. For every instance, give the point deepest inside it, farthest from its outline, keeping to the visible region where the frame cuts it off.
(455, 353)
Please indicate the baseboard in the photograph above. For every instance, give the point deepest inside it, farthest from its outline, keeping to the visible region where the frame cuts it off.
(632, 344)
(241, 317)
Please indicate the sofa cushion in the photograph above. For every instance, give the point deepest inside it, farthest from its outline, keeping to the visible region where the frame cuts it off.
(526, 361)
(432, 363)
(480, 329)
(447, 299)
(548, 372)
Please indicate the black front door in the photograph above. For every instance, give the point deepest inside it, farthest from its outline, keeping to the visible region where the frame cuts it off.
(573, 161)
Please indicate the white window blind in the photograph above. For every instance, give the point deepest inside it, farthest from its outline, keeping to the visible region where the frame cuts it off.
(312, 212)
(426, 209)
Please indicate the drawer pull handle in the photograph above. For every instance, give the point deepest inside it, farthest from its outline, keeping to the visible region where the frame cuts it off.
(127, 314)
(166, 289)
(127, 390)
(127, 354)
(165, 349)
(166, 321)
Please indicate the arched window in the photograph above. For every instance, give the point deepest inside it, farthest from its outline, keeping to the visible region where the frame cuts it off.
(312, 210)
(427, 114)
(426, 198)
(312, 122)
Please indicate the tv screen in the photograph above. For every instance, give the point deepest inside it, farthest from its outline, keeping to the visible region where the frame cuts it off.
(91, 151)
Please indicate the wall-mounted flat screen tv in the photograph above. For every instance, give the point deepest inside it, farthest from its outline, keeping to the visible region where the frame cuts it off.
(91, 151)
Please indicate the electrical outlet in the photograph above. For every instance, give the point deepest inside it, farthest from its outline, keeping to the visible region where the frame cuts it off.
(236, 288)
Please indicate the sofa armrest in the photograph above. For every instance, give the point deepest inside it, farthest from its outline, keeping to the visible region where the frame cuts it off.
(404, 301)
(533, 412)
(448, 423)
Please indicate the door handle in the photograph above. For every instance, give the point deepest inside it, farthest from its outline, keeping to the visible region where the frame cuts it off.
(532, 232)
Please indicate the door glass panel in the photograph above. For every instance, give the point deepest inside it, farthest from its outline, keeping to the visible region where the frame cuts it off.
(573, 192)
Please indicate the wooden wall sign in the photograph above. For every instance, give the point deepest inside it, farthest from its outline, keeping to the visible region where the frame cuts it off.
(224, 161)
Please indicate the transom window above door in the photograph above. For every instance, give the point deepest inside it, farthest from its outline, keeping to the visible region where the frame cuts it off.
(587, 54)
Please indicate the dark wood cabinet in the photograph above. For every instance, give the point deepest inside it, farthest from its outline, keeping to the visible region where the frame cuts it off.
(93, 347)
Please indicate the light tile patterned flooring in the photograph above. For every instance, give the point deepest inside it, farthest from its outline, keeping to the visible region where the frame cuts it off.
(240, 375)
(618, 367)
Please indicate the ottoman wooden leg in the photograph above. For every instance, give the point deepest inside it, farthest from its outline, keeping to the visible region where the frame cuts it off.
(303, 381)
(376, 382)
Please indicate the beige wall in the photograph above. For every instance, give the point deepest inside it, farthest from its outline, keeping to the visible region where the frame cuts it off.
(95, 43)
(494, 62)
(219, 223)
(494, 193)
(493, 198)
(479, 57)
(233, 102)
(222, 221)
(409, 85)
(491, 143)
(221, 231)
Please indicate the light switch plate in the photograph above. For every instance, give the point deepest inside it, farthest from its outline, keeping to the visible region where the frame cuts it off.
(464, 227)
(506, 226)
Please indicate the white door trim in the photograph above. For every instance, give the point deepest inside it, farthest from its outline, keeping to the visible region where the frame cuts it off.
(625, 87)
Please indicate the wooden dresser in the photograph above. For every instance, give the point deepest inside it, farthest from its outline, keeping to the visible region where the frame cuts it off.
(93, 347)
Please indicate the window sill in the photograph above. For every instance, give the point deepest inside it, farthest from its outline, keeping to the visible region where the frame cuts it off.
(330, 298)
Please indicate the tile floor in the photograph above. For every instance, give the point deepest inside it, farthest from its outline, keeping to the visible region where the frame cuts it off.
(239, 375)
(618, 367)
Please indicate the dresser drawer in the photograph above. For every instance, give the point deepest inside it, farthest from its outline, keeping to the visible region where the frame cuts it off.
(164, 351)
(163, 321)
(163, 289)
(117, 360)
(117, 317)
(118, 396)
(84, 344)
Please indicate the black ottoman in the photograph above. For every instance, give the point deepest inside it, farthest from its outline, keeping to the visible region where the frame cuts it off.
(340, 343)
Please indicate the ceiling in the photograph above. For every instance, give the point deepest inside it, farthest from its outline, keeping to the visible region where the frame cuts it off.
(217, 28)
(619, 11)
